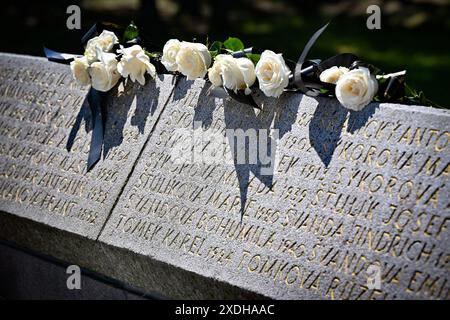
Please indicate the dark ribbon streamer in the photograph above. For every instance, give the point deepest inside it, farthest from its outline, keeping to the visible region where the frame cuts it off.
(298, 81)
(59, 57)
(97, 111)
(393, 89)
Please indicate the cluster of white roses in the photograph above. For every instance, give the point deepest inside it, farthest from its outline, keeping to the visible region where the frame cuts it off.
(100, 67)
(194, 60)
(354, 88)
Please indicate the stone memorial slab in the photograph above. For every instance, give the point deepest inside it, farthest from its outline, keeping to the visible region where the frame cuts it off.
(40, 107)
(301, 200)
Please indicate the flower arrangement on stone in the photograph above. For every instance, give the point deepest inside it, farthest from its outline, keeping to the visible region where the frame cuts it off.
(237, 69)
(113, 54)
(102, 68)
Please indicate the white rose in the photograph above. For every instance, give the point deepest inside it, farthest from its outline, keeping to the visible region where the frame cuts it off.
(135, 63)
(104, 73)
(193, 60)
(215, 72)
(248, 71)
(233, 73)
(169, 56)
(356, 88)
(332, 74)
(225, 71)
(91, 54)
(79, 67)
(104, 42)
(272, 74)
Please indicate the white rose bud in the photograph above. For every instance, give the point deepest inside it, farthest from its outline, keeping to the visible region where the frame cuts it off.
(332, 74)
(104, 73)
(193, 60)
(356, 88)
(104, 42)
(272, 74)
(135, 63)
(233, 73)
(79, 67)
(169, 56)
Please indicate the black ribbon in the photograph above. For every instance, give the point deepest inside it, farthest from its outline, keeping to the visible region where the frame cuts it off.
(297, 79)
(59, 57)
(96, 106)
(306, 76)
(393, 89)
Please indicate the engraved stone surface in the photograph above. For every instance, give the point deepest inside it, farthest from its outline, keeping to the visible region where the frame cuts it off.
(301, 200)
(40, 107)
(356, 205)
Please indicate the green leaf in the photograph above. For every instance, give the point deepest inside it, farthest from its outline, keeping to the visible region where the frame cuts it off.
(213, 54)
(131, 32)
(216, 46)
(233, 44)
(254, 57)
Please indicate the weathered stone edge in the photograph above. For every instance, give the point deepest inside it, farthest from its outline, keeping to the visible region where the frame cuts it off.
(138, 270)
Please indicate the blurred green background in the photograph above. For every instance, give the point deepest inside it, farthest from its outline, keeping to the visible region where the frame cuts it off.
(414, 34)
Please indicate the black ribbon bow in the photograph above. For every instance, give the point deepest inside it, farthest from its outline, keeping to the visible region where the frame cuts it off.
(306, 77)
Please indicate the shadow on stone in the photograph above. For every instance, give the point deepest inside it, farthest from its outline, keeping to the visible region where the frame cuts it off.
(252, 146)
(204, 112)
(181, 91)
(144, 102)
(146, 105)
(359, 119)
(286, 112)
(325, 128)
(83, 114)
